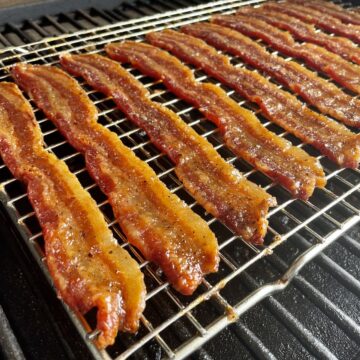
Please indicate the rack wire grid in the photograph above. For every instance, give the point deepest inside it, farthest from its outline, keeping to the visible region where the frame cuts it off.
(175, 323)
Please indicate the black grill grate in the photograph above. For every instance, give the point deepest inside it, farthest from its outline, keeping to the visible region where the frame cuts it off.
(19, 33)
(167, 329)
(316, 317)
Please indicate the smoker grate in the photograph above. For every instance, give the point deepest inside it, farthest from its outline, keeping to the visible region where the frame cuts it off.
(178, 324)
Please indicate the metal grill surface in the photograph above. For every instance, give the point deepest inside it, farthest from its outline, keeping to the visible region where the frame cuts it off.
(176, 323)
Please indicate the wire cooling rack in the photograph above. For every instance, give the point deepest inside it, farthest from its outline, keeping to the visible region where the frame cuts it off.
(178, 325)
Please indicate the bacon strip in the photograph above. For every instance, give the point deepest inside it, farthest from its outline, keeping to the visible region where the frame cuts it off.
(332, 9)
(342, 71)
(243, 133)
(87, 265)
(328, 136)
(318, 18)
(328, 98)
(161, 226)
(216, 185)
(307, 32)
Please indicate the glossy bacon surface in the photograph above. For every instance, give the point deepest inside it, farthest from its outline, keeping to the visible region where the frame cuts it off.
(307, 32)
(343, 72)
(161, 226)
(243, 133)
(306, 171)
(332, 9)
(87, 265)
(328, 136)
(328, 98)
(318, 18)
(216, 185)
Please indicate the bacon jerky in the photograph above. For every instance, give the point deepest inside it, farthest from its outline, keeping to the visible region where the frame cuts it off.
(328, 98)
(216, 185)
(243, 133)
(277, 105)
(161, 226)
(319, 19)
(87, 265)
(343, 72)
(307, 32)
(329, 8)
(254, 87)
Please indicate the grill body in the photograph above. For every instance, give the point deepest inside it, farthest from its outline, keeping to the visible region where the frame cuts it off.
(174, 325)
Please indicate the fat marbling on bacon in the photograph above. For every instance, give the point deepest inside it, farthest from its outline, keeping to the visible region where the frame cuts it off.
(307, 32)
(335, 10)
(87, 265)
(153, 219)
(327, 97)
(328, 136)
(279, 106)
(318, 18)
(216, 185)
(243, 132)
(305, 170)
(345, 73)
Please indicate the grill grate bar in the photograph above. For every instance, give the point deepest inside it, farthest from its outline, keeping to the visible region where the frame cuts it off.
(318, 218)
(344, 277)
(346, 323)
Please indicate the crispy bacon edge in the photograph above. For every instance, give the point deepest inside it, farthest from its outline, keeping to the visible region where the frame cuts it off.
(184, 269)
(21, 148)
(216, 185)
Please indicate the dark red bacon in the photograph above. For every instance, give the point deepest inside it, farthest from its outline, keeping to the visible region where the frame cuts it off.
(318, 18)
(332, 9)
(216, 185)
(277, 105)
(328, 98)
(243, 133)
(343, 72)
(88, 267)
(307, 32)
(161, 226)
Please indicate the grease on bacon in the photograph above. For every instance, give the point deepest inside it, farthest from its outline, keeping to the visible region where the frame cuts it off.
(331, 9)
(327, 97)
(247, 137)
(307, 32)
(87, 265)
(318, 18)
(242, 137)
(179, 79)
(304, 171)
(328, 136)
(216, 185)
(161, 226)
(343, 72)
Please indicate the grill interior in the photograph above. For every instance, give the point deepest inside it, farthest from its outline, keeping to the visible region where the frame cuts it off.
(173, 324)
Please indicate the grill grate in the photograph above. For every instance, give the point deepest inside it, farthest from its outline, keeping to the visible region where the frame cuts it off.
(178, 324)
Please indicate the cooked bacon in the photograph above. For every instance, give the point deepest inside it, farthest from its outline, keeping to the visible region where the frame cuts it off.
(328, 136)
(318, 18)
(161, 226)
(216, 185)
(87, 265)
(327, 3)
(332, 9)
(307, 32)
(243, 132)
(327, 97)
(345, 73)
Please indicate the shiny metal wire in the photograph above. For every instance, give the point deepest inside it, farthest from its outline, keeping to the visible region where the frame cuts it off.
(323, 218)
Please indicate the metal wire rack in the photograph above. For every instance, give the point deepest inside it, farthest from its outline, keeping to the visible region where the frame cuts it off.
(178, 324)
